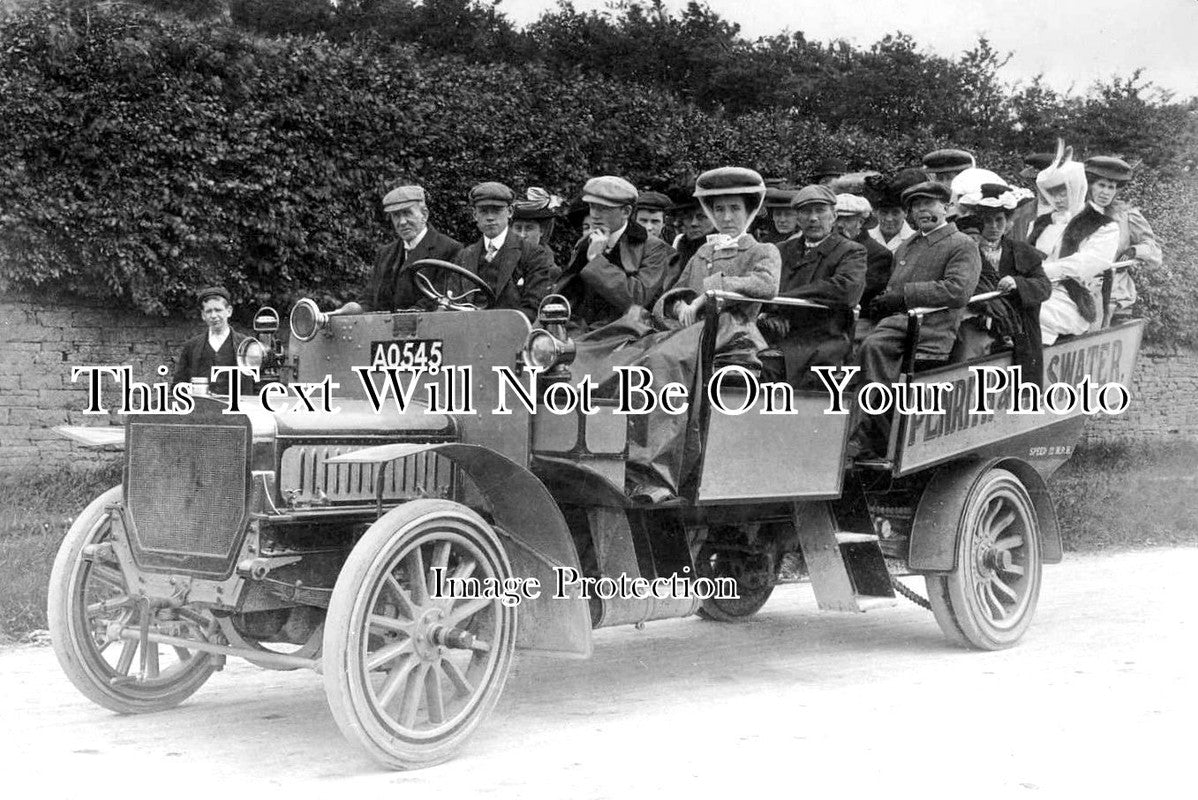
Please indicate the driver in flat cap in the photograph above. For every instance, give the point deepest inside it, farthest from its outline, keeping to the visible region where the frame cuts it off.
(216, 347)
(520, 272)
(617, 266)
(391, 284)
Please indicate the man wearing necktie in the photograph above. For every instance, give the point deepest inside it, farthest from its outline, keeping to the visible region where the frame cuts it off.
(617, 266)
(391, 284)
(520, 272)
(824, 267)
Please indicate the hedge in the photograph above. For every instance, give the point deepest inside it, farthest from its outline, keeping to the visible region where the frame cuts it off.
(147, 156)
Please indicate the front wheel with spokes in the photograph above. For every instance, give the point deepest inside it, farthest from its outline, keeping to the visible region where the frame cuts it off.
(410, 673)
(988, 601)
(95, 621)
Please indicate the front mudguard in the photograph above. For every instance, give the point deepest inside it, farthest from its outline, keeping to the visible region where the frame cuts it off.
(534, 534)
(936, 531)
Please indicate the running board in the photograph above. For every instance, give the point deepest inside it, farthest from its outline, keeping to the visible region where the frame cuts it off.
(848, 571)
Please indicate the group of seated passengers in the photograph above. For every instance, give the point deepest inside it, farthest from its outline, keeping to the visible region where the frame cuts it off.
(827, 253)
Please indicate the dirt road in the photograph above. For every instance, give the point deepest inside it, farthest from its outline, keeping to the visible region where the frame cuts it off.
(1098, 701)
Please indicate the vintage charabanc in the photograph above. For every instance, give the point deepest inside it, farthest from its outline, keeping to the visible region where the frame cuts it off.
(318, 539)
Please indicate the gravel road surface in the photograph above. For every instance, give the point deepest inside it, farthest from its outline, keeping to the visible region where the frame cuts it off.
(1098, 701)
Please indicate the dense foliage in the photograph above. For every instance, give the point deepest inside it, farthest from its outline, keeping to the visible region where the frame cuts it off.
(147, 154)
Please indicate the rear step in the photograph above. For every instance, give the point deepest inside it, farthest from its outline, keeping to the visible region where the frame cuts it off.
(848, 571)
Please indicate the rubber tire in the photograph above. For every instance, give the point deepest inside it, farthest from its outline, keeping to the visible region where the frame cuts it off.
(343, 636)
(77, 653)
(952, 602)
(712, 609)
(734, 611)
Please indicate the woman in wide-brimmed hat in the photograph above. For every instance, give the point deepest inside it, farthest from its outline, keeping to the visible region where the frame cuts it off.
(663, 447)
(1012, 321)
(533, 215)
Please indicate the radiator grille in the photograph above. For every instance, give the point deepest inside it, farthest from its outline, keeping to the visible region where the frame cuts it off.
(305, 477)
(186, 487)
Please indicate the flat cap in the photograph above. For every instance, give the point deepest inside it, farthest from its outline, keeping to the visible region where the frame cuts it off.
(888, 193)
(609, 190)
(936, 191)
(213, 291)
(401, 196)
(779, 197)
(829, 166)
(729, 180)
(653, 201)
(813, 193)
(491, 192)
(947, 160)
(1109, 167)
(850, 204)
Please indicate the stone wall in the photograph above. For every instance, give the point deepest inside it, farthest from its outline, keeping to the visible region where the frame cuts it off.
(1164, 401)
(40, 341)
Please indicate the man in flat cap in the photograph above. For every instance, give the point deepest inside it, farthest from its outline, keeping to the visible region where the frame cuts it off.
(828, 170)
(822, 266)
(651, 208)
(944, 165)
(939, 266)
(216, 347)
(391, 285)
(617, 266)
(520, 273)
(853, 215)
(1107, 175)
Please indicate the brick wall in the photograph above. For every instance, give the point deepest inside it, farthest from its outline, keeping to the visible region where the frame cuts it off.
(1164, 401)
(41, 341)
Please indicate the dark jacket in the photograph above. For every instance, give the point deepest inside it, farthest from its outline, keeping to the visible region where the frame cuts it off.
(878, 263)
(521, 273)
(601, 289)
(196, 360)
(832, 273)
(391, 284)
(1024, 263)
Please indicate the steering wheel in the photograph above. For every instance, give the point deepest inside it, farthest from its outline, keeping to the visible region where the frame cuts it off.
(445, 299)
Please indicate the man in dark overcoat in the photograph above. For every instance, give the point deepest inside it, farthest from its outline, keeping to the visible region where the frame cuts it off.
(617, 266)
(824, 267)
(391, 284)
(939, 266)
(519, 272)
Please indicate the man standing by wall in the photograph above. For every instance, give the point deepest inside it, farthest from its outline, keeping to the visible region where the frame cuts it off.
(216, 347)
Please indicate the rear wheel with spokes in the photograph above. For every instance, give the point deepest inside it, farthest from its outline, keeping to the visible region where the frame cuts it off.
(410, 674)
(989, 600)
